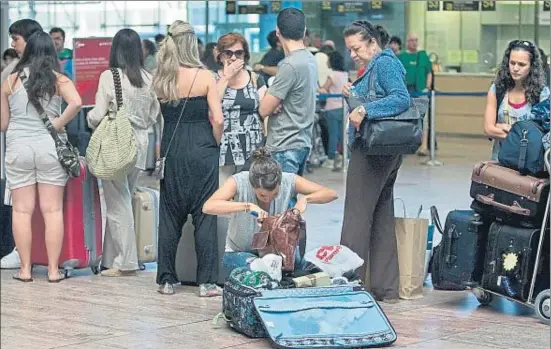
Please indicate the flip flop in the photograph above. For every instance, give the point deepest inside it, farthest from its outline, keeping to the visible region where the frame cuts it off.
(59, 279)
(19, 278)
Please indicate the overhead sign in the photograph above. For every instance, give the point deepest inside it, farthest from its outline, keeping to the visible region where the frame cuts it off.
(488, 6)
(253, 9)
(231, 7)
(433, 5)
(460, 5)
(275, 6)
(90, 59)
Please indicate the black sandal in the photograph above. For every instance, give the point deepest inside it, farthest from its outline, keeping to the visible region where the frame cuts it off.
(59, 279)
(19, 278)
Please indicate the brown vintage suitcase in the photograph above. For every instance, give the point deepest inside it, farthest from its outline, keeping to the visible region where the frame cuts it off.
(508, 195)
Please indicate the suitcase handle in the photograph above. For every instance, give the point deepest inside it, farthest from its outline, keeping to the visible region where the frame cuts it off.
(515, 208)
(435, 218)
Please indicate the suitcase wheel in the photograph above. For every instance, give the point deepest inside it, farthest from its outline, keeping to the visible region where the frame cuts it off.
(95, 270)
(141, 266)
(542, 306)
(67, 273)
(483, 297)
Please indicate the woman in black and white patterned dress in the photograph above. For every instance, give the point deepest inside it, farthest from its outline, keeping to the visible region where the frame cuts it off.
(241, 91)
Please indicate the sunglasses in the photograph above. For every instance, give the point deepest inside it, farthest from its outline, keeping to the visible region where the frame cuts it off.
(239, 54)
(522, 43)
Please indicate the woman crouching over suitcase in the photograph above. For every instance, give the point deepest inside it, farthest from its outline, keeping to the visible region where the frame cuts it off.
(32, 162)
(368, 226)
(520, 83)
(262, 191)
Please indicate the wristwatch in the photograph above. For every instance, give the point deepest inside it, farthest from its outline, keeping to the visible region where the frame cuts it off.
(362, 111)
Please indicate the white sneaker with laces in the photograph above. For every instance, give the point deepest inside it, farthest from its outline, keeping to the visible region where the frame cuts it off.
(11, 261)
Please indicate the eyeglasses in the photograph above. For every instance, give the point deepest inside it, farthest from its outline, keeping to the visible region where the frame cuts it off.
(239, 54)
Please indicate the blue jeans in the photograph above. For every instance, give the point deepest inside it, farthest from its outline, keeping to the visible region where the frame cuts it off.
(293, 160)
(334, 123)
(232, 260)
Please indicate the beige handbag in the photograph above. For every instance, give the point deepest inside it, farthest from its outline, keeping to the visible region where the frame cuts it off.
(112, 150)
(411, 237)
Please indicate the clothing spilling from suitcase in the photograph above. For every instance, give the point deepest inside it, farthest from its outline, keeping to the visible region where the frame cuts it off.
(146, 183)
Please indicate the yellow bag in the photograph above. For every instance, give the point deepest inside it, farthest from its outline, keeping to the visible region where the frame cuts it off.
(411, 237)
(112, 151)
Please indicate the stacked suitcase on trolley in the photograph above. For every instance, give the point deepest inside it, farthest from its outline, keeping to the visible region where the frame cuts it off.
(501, 245)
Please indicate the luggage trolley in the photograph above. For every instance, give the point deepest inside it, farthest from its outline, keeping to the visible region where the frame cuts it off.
(541, 302)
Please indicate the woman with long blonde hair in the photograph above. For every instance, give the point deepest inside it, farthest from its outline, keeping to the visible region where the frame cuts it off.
(193, 126)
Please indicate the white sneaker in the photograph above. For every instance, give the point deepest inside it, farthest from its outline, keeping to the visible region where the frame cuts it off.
(328, 164)
(11, 261)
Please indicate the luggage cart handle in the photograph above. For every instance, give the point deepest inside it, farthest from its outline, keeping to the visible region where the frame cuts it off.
(547, 158)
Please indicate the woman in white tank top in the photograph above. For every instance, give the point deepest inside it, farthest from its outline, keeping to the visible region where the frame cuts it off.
(31, 159)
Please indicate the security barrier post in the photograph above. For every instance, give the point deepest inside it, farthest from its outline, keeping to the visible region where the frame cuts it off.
(433, 161)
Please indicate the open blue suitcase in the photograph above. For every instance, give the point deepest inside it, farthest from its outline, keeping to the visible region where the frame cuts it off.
(323, 317)
(313, 317)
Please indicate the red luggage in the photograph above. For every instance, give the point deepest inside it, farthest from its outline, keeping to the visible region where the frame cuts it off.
(82, 242)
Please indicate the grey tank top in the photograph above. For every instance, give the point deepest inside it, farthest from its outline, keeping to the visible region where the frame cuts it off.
(25, 122)
(242, 225)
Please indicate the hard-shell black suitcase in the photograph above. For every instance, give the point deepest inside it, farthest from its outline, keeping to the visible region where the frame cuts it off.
(510, 258)
(459, 259)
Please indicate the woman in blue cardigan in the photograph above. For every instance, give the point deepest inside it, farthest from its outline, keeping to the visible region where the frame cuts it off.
(368, 226)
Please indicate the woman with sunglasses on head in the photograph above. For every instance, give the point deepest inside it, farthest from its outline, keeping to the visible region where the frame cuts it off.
(519, 84)
(193, 126)
(241, 92)
(368, 226)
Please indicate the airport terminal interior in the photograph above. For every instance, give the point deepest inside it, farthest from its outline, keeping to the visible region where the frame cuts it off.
(465, 42)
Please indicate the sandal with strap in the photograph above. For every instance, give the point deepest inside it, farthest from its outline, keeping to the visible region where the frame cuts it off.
(61, 277)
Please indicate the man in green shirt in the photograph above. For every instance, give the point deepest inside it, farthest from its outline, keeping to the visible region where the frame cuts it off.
(418, 76)
(418, 66)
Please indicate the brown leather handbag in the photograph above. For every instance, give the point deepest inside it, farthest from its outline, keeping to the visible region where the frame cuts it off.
(280, 235)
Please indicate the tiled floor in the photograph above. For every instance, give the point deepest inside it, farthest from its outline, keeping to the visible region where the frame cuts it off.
(91, 312)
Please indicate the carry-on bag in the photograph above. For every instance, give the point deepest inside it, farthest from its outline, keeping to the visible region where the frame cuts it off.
(186, 256)
(82, 240)
(145, 205)
(459, 258)
(510, 258)
(507, 195)
(523, 150)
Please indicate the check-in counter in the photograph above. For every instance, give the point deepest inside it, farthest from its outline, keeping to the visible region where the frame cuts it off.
(461, 115)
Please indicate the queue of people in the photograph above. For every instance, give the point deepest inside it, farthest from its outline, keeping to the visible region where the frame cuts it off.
(229, 145)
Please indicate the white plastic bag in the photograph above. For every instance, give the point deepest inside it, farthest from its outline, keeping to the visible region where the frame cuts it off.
(271, 264)
(334, 260)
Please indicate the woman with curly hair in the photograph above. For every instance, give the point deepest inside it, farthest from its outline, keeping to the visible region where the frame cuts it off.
(520, 83)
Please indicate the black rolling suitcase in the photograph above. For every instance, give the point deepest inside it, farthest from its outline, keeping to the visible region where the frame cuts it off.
(6, 243)
(510, 257)
(459, 258)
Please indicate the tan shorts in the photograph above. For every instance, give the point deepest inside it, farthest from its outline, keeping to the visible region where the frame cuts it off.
(28, 164)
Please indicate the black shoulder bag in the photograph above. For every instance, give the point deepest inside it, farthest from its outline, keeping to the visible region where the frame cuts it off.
(394, 134)
(67, 155)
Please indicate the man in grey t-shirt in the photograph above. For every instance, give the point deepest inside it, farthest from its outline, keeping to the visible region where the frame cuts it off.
(294, 90)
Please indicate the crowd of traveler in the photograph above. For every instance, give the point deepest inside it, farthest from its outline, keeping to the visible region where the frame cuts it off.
(234, 136)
